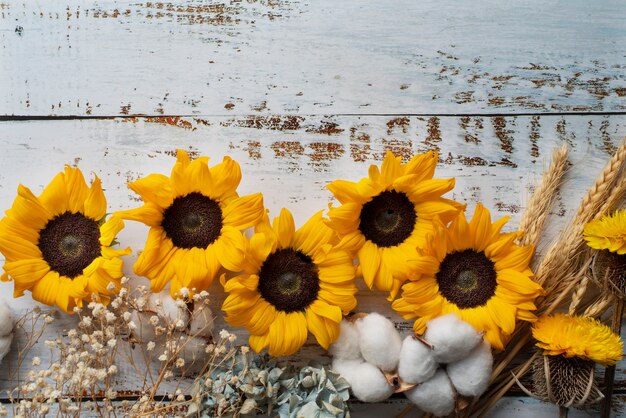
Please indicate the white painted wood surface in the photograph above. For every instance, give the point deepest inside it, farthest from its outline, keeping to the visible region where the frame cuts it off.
(188, 57)
(304, 92)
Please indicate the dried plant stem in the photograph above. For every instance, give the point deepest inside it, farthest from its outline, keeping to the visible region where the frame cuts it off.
(609, 376)
(563, 258)
(536, 213)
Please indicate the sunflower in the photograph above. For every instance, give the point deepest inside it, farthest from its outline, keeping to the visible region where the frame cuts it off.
(293, 281)
(58, 245)
(475, 271)
(386, 215)
(608, 233)
(576, 336)
(195, 218)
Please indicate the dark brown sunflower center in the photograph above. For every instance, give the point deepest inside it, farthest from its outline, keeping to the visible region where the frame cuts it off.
(467, 278)
(192, 221)
(69, 243)
(288, 280)
(388, 219)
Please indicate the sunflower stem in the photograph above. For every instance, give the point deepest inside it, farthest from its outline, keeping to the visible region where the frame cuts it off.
(609, 374)
(563, 411)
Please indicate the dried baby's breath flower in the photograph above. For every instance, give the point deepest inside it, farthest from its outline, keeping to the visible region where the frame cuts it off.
(36, 361)
(150, 346)
(180, 362)
(126, 316)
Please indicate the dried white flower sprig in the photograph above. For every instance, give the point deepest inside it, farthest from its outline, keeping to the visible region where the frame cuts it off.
(450, 360)
(157, 314)
(82, 372)
(6, 329)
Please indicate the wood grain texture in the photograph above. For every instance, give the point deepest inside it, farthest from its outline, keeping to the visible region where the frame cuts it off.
(496, 160)
(190, 57)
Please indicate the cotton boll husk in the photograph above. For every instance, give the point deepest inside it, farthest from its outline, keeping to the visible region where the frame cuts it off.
(470, 376)
(6, 320)
(202, 321)
(144, 330)
(163, 304)
(347, 345)
(5, 345)
(379, 341)
(452, 339)
(435, 395)
(417, 361)
(367, 382)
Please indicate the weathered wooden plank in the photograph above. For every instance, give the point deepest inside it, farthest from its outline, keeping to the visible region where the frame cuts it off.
(495, 160)
(190, 57)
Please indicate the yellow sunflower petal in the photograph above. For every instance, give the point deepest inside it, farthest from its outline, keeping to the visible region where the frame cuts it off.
(25, 273)
(45, 289)
(230, 248)
(28, 210)
(259, 342)
(346, 191)
(76, 189)
(345, 218)
(391, 169)
(55, 196)
(226, 178)
(287, 334)
(16, 248)
(369, 258)
(150, 214)
(312, 235)
(154, 188)
(110, 229)
(263, 316)
(95, 204)
(422, 165)
(244, 212)
(284, 228)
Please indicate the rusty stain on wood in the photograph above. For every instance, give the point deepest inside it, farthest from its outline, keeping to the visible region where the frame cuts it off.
(402, 123)
(434, 134)
(326, 128)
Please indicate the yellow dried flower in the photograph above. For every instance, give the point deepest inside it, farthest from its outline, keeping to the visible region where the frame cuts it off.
(608, 233)
(575, 336)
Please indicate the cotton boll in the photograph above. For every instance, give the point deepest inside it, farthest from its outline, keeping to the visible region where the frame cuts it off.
(379, 341)
(201, 323)
(6, 321)
(452, 339)
(470, 376)
(436, 395)
(5, 345)
(368, 383)
(417, 361)
(347, 345)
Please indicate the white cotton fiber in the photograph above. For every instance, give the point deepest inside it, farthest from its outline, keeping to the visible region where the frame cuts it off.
(367, 382)
(202, 321)
(470, 376)
(435, 395)
(347, 345)
(417, 361)
(452, 339)
(379, 341)
(6, 320)
(5, 345)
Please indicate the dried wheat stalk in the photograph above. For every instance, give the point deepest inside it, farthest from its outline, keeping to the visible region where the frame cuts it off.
(562, 268)
(536, 214)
